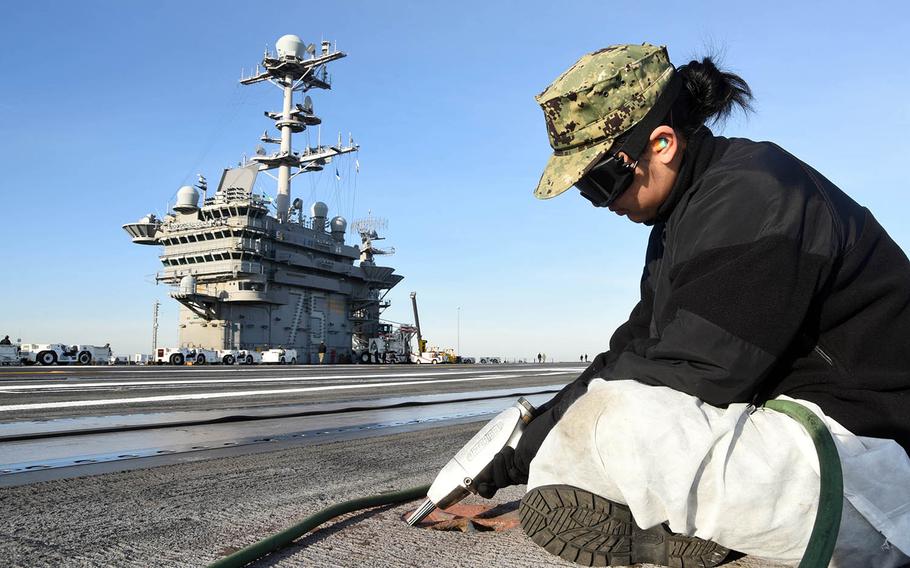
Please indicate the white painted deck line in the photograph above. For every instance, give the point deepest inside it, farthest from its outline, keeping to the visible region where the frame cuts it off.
(30, 387)
(239, 394)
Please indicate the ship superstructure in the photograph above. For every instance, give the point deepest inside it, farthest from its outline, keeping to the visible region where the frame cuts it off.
(250, 279)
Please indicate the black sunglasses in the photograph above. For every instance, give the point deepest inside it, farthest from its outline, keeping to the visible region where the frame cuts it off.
(606, 181)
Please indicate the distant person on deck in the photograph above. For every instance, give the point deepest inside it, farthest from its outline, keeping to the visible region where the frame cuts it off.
(5, 341)
(322, 350)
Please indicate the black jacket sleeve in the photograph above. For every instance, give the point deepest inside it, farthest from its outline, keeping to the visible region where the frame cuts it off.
(730, 316)
(746, 260)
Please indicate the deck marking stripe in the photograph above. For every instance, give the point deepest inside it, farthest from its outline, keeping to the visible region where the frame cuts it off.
(33, 373)
(268, 379)
(202, 396)
(211, 368)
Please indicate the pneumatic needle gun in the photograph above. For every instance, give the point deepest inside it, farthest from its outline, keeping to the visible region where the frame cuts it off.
(457, 479)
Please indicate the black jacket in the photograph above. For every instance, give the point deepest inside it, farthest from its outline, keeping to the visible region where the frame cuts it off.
(763, 278)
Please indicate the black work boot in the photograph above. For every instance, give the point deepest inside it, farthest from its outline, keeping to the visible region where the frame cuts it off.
(587, 529)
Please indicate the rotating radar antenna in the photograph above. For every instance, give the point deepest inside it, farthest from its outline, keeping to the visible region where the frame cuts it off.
(370, 226)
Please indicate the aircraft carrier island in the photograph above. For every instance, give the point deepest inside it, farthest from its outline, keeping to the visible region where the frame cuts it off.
(254, 273)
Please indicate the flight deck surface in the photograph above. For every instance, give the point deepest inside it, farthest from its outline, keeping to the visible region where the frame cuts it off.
(191, 508)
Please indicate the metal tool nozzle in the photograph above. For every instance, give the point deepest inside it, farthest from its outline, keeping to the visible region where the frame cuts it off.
(421, 513)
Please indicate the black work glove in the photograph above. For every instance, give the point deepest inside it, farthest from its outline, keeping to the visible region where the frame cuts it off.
(500, 473)
(511, 467)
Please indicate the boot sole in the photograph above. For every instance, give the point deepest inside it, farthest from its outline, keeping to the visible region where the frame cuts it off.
(587, 529)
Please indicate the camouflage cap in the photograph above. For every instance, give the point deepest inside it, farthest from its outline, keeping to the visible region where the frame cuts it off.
(604, 94)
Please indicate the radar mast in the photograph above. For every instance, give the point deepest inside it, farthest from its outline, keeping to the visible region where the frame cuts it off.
(295, 68)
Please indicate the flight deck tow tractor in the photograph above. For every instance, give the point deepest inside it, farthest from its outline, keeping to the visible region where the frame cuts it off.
(9, 355)
(183, 355)
(280, 356)
(58, 353)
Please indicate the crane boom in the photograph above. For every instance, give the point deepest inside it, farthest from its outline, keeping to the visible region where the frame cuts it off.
(420, 342)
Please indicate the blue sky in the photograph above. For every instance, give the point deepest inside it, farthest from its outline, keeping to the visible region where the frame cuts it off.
(106, 108)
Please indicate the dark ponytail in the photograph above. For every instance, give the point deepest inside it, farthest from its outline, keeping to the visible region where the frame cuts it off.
(709, 95)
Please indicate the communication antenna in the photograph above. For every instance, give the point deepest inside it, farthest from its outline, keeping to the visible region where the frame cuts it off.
(297, 206)
(203, 186)
(155, 327)
(268, 139)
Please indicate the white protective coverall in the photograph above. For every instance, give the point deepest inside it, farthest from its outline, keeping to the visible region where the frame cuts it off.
(744, 478)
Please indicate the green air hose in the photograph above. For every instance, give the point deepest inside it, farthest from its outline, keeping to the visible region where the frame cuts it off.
(277, 541)
(831, 491)
(818, 551)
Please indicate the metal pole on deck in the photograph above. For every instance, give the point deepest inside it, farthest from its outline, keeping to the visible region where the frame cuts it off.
(155, 327)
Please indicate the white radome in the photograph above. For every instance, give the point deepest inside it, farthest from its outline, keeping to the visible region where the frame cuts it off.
(188, 284)
(319, 209)
(290, 45)
(339, 225)
(187, 199)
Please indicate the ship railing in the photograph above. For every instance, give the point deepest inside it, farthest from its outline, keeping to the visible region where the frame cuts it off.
(233, 194)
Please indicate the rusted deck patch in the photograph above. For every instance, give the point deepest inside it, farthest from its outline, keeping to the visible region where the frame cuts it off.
(472, 518)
